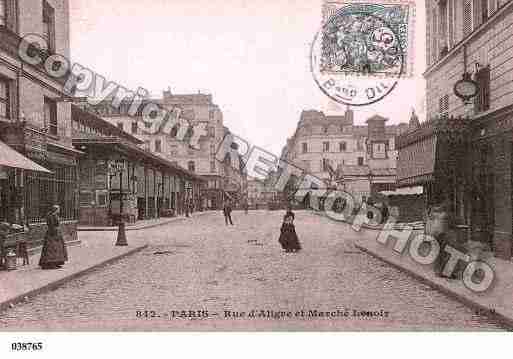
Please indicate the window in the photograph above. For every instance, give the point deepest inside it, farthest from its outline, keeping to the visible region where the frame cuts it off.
(147, 145)
(4, 99)
(342, 146)
(444, 106)
(305, 147)
(360, 161)
(212, 166)
(325, 147)
(191, 166)
(482, 100)
(467, 17)
(49, 26)
(135, 128)
(211, 114)
(158, 146)
(451, 21)
(325, 129)
(379, 150)
(434, 35)
(359, 144)
(443, 28)
(3, 12)
(50, 107)
(212, 132)
(121, 126)
(325, 164)
(484, 11)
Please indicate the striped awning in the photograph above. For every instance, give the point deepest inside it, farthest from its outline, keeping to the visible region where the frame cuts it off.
(14, 159)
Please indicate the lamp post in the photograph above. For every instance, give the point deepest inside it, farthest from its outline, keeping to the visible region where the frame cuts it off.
(121, 239)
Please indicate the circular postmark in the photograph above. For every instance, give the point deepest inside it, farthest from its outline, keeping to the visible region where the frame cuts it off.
(357, 57)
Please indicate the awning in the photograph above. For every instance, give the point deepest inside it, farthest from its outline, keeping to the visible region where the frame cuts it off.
(12, 158)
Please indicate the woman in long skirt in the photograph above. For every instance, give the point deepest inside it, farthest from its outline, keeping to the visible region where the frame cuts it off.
(54, 253)
(288, 237)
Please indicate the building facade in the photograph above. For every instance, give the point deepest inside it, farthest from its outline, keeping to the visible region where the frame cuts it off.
(474, 36)
(362, 159)
(118, 176)
(35, 118)
(196, 109)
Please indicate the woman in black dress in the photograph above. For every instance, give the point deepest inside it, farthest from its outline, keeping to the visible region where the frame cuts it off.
(288, 237)
(54, 252)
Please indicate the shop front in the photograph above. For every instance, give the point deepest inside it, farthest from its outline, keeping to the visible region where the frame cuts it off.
(27, 194)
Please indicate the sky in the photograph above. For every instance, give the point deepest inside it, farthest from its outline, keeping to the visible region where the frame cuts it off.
(252, 56)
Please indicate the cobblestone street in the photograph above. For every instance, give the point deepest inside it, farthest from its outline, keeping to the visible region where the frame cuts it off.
(202, 265)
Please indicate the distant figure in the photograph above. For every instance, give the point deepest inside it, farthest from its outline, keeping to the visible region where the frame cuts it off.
(54, 253)
(246, 207)
(227, 211)
(290, 213)
(288, 237)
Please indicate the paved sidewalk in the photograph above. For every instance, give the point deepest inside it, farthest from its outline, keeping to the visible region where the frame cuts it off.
(496, 302)
(94, 251)
(149, 223)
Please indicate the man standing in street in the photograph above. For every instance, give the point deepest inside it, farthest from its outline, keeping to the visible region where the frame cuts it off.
(227, 211)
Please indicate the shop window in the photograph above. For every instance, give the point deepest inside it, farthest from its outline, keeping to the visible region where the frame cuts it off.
(50, 107)
(4, 99)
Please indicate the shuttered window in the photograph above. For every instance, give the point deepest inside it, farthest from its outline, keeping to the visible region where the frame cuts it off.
(451, 22)
(4, 99)
(467, 17)
(444, 106)
(482, 100)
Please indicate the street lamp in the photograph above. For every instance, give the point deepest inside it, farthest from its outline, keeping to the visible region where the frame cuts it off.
(466, 88)
(119, 169)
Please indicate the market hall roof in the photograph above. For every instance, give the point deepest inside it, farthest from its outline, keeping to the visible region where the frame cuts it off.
(11, 158)
(87, 116)
(114, 144)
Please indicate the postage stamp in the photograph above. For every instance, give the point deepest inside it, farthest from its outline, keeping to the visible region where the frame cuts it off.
(362, 49)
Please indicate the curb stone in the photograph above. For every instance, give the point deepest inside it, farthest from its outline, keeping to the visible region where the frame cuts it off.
(54, 285)
(500, 318)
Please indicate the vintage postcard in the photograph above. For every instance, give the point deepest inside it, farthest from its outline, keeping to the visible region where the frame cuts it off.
(234, 166)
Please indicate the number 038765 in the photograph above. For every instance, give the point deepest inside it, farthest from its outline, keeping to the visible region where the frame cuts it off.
(26, 346)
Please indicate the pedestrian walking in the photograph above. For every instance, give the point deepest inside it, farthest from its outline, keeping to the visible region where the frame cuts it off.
(227, 211)
(290, 213)
(437, 226)
(288, 237)
(54, 253)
